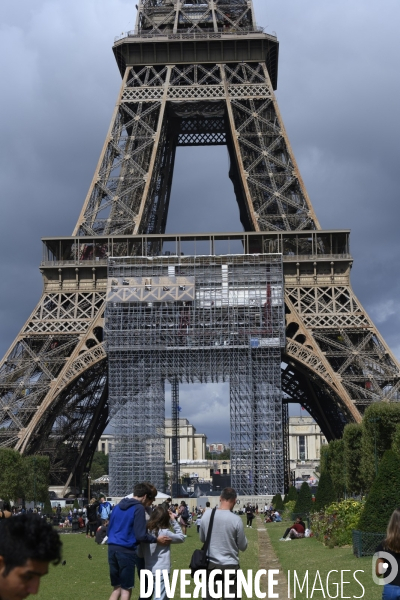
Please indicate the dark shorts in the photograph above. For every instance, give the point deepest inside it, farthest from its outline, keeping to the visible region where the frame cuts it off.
(122, 568)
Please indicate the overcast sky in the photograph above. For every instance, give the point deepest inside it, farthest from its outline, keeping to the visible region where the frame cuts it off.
(339, 94)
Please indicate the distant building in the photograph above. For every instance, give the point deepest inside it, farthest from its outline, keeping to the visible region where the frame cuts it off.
(192, 444)
(217, 447)
(305, 442)
(104, 442)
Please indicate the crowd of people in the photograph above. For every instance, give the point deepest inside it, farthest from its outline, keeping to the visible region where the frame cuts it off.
(139, 536)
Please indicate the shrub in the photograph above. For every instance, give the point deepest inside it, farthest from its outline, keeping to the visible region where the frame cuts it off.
(292, 495)
(333, 525)
(304, 503)
(336, 470)
(289, 510)
(279, 503)
(396, 440)
(384, 495)
(324, 459)
(47, 509)
(325, 492)
(352, 438)
(379, 425)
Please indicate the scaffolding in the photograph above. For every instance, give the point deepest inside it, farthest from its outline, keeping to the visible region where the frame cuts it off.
(175, 487)
(196, 319)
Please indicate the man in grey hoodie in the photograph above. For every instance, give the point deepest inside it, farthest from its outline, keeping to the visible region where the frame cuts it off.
(227, 537)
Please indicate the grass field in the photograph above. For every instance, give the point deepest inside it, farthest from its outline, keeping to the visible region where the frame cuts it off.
(85, 579)
(309, 554)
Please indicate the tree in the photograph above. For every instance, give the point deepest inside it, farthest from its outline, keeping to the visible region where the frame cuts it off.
(384, 495)
(99, 466)
(325, 493)
(47, 508)
(304, 502)
(352, 439)
(379, 426)
(337, 467)
(292, 495)
(225, 455)
(324, 459)
(396, 440)
(10, 473)
(35, 480)
(278, 504)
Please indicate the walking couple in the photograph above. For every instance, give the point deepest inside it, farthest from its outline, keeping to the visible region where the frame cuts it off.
(138, 538)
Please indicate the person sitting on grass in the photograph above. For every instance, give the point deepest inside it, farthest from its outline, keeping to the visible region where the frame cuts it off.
(27, 546)
(268, 517)
(157, 557)
(295, 531)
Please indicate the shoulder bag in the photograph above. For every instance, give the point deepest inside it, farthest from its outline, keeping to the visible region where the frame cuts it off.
(199, 558)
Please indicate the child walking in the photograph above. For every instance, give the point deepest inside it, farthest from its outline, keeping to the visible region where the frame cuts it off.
(157, 557)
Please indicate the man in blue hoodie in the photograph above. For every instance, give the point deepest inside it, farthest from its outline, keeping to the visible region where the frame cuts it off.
(126, 530)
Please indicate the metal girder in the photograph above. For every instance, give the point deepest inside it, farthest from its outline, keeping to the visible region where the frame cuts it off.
(156, 107)
(194, 16)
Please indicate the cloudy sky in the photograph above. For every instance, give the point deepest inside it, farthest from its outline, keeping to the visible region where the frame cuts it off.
(339, 93)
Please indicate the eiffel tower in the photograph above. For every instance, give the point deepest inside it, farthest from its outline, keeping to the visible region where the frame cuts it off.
(194, 72)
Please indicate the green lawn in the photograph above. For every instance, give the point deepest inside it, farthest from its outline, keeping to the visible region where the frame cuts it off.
(309, 554)
(84, 579)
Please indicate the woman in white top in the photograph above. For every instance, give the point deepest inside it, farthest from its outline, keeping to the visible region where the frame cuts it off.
(157, 557)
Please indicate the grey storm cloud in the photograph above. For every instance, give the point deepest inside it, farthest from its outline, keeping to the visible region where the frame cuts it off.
(338, 90)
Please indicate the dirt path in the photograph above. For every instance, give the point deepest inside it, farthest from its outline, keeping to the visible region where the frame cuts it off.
(269, 560)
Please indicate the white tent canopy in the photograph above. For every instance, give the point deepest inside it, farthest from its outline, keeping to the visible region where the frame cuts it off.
(103, 479)
(160, 496)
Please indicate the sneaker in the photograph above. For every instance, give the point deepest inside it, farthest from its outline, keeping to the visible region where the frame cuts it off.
(288, 540)
(282, 539)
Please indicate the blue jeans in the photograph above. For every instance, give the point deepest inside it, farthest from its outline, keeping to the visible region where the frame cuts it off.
(163, 593)
(122, 568)
(391, 592)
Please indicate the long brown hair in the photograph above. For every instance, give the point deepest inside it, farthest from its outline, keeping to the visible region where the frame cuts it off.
(392, 541)
(159, 519)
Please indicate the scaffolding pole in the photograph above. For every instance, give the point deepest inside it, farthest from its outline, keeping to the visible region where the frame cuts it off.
(175, 485)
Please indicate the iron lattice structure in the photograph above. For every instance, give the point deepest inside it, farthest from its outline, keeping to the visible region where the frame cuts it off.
(196, 319)
(193, 73)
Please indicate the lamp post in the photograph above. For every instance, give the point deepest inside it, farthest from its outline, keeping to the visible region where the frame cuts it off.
(88, 487)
